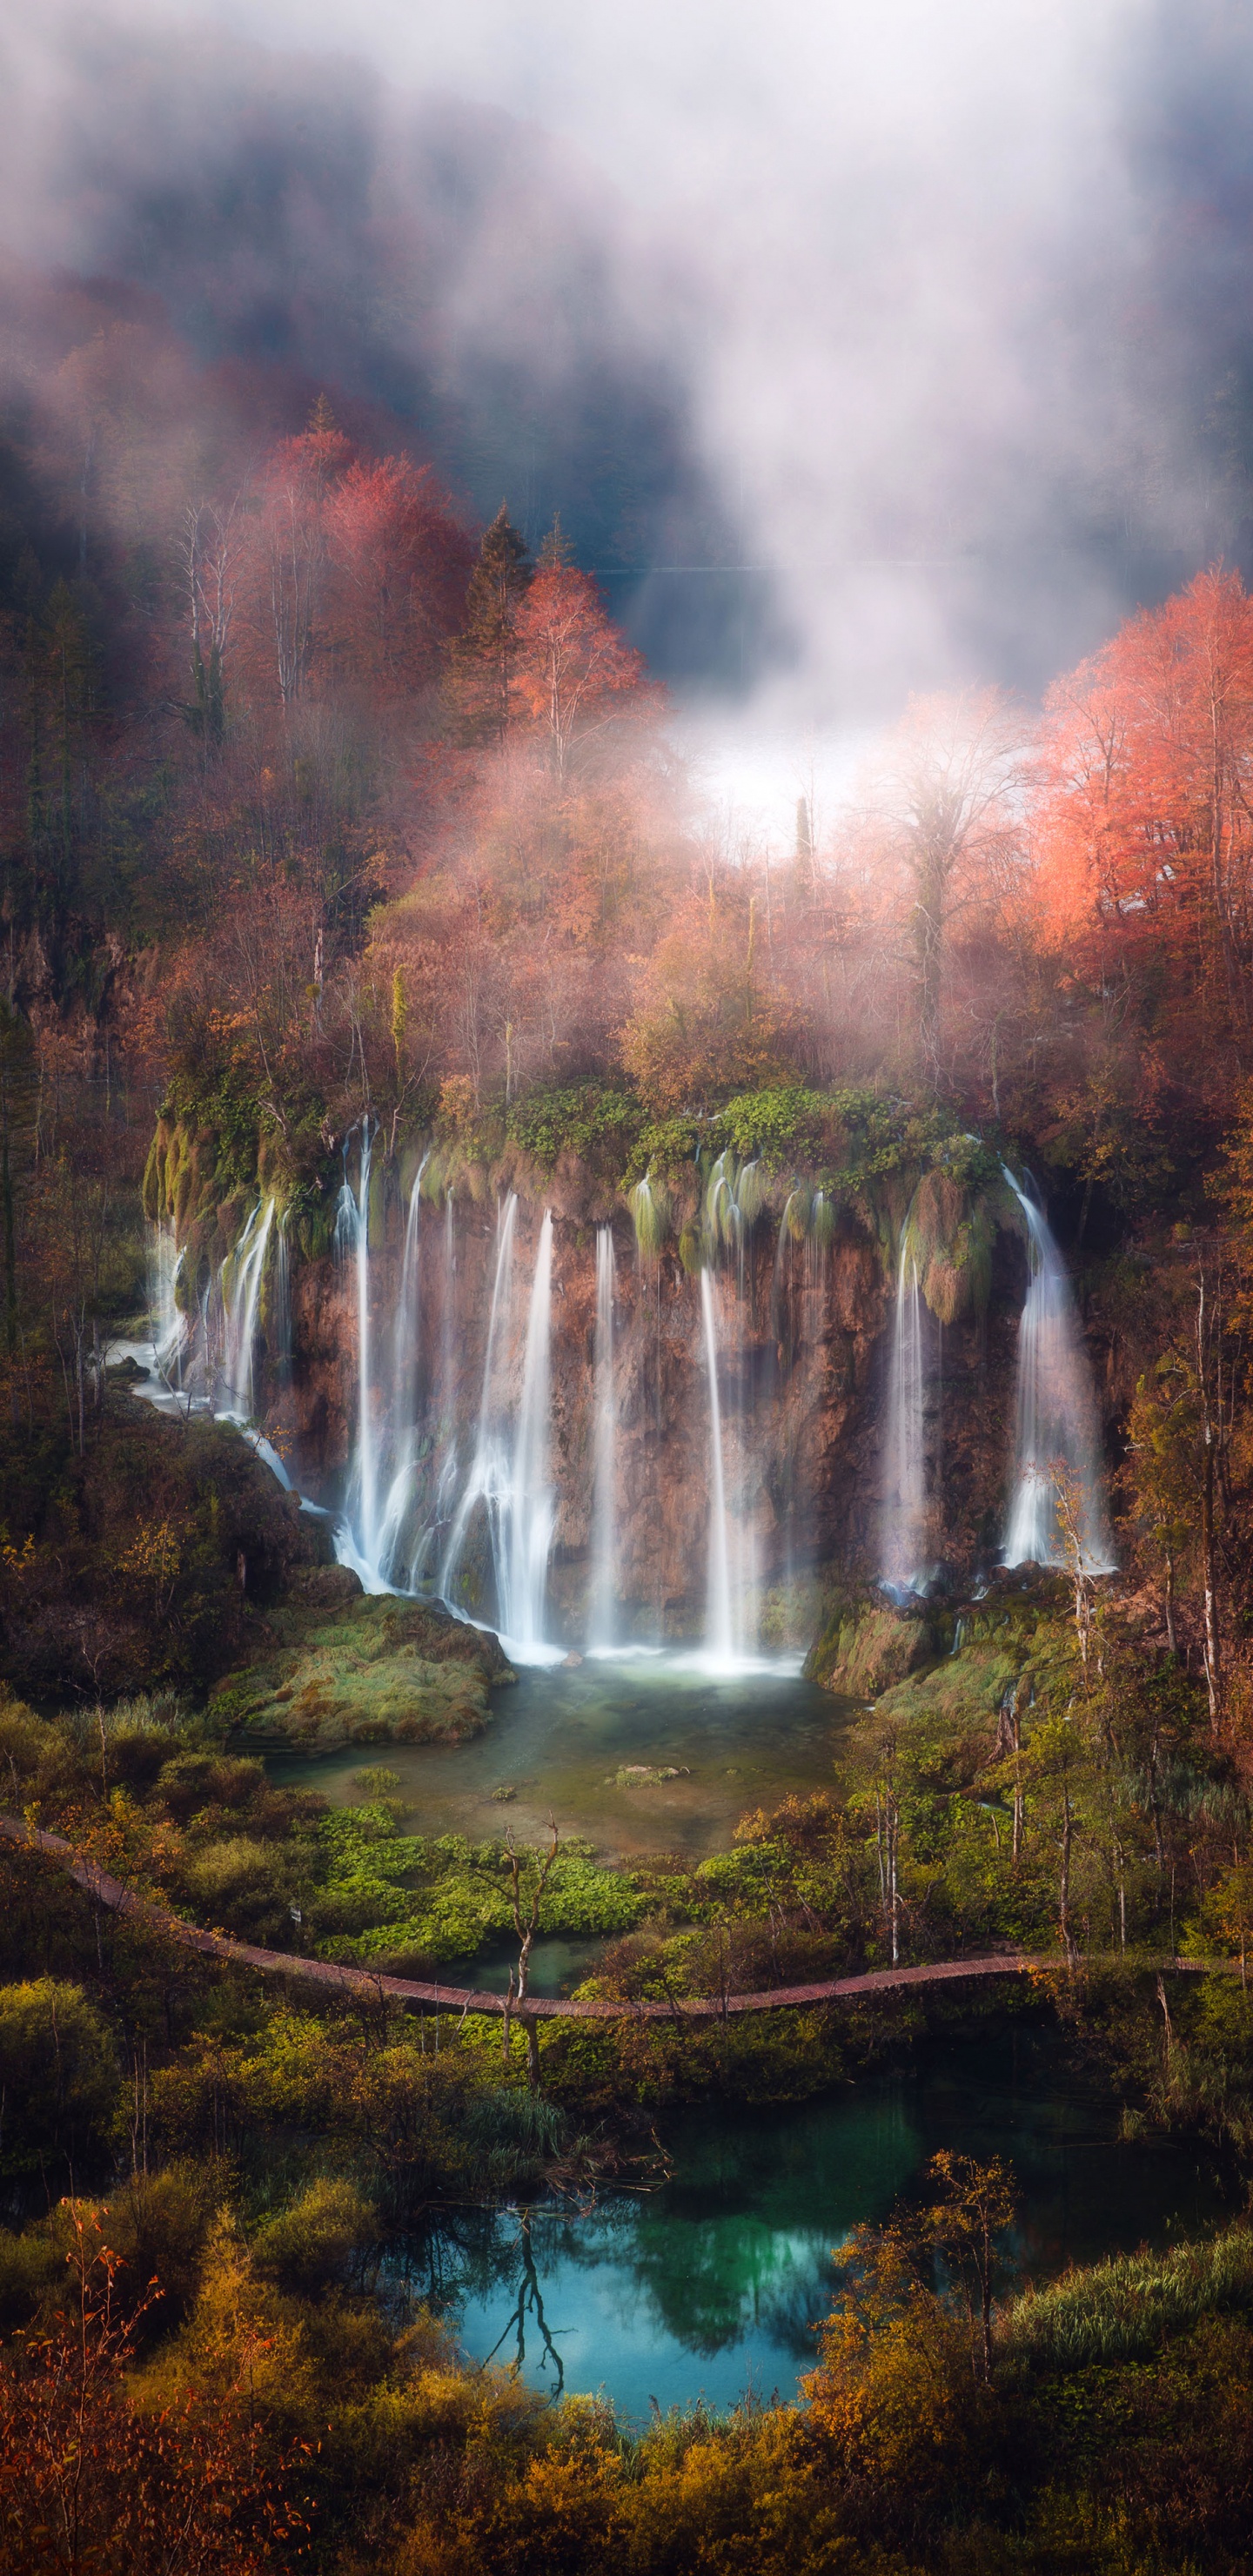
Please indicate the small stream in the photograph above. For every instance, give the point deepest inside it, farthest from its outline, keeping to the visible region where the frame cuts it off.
(708, 2288)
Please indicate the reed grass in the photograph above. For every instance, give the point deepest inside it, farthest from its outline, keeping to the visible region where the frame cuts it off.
(1124, 2308)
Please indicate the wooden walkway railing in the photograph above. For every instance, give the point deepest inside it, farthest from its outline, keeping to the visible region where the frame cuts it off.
(373, 1986)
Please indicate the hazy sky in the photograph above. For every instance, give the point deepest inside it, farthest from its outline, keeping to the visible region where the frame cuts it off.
(937, 317)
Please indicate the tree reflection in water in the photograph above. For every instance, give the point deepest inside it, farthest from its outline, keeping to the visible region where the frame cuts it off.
(529, 2302)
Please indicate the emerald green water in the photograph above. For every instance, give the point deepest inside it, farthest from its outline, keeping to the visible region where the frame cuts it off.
(710, 2287)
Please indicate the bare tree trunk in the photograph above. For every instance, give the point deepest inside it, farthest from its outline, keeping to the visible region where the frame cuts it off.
(1018, 1796)
(1208, 1567)
(526, 1930)
(893, 1830)
(1064, 1892)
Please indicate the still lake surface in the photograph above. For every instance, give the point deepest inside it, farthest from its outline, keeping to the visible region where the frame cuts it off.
(709, 2287)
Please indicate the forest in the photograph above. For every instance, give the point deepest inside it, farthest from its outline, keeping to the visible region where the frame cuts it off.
(329, 819)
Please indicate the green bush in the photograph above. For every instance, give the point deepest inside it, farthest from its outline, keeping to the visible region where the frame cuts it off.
(597, 1122)
(59, 2076)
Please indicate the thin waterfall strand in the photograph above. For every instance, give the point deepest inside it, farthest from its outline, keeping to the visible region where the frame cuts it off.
(167, 1325)
(1055, 1423)
(602, 1620)
(485, 1479)
(905, 1496)
(353, 1234)
(719, 1639)
(241, 1301)
(531, 1499)
(402, 1426)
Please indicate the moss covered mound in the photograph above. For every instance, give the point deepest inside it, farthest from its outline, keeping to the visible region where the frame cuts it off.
(977, 1659)
(864, 1646)
(337, 1666)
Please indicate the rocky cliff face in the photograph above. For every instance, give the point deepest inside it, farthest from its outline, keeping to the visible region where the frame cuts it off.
(803, 1342)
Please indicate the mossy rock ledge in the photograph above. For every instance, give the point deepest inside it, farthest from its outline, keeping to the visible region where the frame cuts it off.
(864, 1646)
(334, 1665)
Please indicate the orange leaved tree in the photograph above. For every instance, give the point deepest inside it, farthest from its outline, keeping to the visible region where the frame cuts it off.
(91, 2484)
(573, 672)
(1144, 816)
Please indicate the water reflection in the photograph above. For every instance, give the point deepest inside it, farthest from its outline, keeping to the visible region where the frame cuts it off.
(712, 2284)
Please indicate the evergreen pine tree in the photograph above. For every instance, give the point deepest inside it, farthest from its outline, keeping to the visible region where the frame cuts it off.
(480, 658)
(556, 551)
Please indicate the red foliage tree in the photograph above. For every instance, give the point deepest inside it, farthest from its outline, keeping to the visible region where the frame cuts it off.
(400, 565)
(574, 672)
(1144, 818)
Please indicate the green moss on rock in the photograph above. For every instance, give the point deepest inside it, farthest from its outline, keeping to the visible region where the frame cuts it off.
(865, 1646)
(341, 1667)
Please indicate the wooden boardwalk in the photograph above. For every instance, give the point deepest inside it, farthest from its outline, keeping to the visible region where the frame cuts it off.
(372, 1986)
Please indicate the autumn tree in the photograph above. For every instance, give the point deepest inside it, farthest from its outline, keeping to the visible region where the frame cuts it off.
(573, 673)
(289, 552)
(481, 658)
(93, 2483)
(1143, 812)
(709, 1016)
(942, 806)
(211, 572)
(398, 569)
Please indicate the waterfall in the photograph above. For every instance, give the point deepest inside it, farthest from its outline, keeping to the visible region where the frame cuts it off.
(905, 1496)
(511, 1478)
(1055, 1418)
(486, 1478)
(241, 1300)
(531, 1500)
(719, 1639)
(448, 1327)
(280, 1292)
(441, 1501)
(602, 1603)
(167, 1327)
(402, 1425)
(352, 1236)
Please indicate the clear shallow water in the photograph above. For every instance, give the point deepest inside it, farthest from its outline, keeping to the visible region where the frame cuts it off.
(558, 1739)
(709, 2287)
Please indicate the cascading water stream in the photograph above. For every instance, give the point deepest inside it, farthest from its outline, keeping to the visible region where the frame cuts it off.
(168, 1326)
(401, 1426)
(734, 1199)
(905, 1493)
(1055, 1417)
(352, 1238)
(241, 1301)
(602, 1604)
(280, 1292)
(530, 1504)
(719, 1636)
(441, 1497)
(485, 1481)
(406, 1320)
